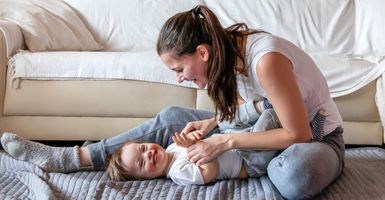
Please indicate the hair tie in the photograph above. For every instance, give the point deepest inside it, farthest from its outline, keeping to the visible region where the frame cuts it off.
(197, 12)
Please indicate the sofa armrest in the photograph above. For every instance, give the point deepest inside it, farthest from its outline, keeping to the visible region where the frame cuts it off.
(11, 39)
(3, 72)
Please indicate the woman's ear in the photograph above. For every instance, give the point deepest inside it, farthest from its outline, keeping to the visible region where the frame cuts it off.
(203, 51)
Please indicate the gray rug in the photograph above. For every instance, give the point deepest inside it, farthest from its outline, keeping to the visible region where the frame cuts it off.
(363, 178)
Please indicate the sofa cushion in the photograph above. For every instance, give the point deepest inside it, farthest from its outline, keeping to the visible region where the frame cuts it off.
(69, 65)
(369, 29)
(316, 26)
(48, 25)
(117, 98)
(105, 108)
(133, 25)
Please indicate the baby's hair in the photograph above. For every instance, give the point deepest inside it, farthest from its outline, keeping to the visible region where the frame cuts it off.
(115, 169)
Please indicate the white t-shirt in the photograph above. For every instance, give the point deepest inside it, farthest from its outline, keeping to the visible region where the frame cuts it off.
(311, 83)
(184, 172)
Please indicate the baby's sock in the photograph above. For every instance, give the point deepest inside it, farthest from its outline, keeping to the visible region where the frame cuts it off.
(51, 159)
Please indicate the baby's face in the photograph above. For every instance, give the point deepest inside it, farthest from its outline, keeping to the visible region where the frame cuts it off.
(145, 160)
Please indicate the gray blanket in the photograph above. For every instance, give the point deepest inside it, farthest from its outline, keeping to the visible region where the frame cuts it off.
(363, 178)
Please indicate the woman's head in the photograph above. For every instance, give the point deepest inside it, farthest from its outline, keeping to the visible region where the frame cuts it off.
(199, 49)
(135, 160)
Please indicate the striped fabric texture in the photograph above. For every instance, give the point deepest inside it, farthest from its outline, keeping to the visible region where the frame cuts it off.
(363, 178)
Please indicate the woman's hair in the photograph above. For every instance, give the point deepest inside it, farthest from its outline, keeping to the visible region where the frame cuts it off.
(183, 32)
(115, 169)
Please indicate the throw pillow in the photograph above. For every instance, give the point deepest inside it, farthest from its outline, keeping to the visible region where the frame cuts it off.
(49, 25)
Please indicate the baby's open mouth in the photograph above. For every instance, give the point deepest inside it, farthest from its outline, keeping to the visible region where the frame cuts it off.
(155, 157)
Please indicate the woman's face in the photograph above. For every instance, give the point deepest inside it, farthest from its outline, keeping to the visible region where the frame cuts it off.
(145, 160)
(191, 67)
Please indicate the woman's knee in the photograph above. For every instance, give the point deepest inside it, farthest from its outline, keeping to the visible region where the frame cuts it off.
(267, 121)
(171, 110)
(172, 113)
(180, 115)
(303, 170)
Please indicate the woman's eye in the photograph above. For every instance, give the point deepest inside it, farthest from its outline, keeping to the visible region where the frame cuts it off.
(179, 70)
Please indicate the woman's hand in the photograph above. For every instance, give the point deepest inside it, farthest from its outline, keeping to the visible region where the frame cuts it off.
(206, 150)
(203, 126)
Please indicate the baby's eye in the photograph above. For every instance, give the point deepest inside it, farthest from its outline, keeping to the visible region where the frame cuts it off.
(141, 164)
(142, 148)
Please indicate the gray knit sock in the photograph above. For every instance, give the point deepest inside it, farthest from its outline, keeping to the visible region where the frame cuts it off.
(51, 159)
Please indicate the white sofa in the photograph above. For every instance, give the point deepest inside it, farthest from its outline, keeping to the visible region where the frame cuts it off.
(344, 37)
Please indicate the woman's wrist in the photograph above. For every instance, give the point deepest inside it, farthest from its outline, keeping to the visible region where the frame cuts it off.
(214, 122)
(229, 141)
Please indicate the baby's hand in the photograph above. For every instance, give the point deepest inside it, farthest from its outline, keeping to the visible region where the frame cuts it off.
(186, 140)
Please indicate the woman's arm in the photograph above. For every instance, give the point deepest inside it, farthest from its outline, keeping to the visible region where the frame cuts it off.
(276, 76)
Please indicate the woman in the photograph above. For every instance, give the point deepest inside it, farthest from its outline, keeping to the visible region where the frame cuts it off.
(239, 62)
(236, 65)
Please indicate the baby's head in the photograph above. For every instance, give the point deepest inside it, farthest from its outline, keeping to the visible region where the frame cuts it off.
(136, 160)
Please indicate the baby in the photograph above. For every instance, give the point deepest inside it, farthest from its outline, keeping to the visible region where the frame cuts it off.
(135, 160)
